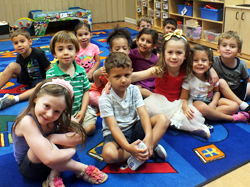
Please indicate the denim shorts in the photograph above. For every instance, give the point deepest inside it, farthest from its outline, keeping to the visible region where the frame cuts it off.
(33, 171)
(134, 133)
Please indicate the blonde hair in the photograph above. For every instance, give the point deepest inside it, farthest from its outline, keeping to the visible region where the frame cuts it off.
(64, 37)
(231, 34)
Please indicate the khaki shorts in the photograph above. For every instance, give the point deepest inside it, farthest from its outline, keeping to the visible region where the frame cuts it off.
(90, 117)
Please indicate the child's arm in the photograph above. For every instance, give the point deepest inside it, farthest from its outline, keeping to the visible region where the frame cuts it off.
(85, 101)
(96, 76)
(69, 139)
(96, 65)
(119, 137)
(216, 97)
(145, 74)
(44, 150)
(146, 124)
(213, 76)
(189, 113)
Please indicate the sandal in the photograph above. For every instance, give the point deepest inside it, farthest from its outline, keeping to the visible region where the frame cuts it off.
(93, 175)
(57, 182)
(241, 117)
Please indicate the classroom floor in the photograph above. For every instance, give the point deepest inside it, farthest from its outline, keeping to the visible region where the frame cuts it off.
(239, 177)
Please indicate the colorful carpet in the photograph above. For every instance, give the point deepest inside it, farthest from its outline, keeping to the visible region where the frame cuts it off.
(192, 161)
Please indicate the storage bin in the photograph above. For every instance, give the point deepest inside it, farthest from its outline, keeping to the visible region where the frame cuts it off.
(189, 10)
(144, 4)
(158, 5)
(157, 14)
(179, 26)
(164, 15)
(165, 6)
(212, 14)
(151, 12)
(194, 32)
(211, 35)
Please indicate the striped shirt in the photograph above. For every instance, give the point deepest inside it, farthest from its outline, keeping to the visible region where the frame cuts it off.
(124, 111)
(79, 82)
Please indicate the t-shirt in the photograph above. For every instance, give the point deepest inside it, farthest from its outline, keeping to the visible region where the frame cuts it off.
(124, 110)
(233, 76)
(199, 90)
(99, 89)
(86, 57)
(170, 86)
(139, 64)
(79, 81)
(34, 65)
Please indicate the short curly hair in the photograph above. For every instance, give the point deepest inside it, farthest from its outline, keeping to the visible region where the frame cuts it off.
(231, 34)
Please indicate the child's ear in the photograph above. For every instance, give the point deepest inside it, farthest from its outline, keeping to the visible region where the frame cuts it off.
(239, 51)
(30, 42)
(218, 48)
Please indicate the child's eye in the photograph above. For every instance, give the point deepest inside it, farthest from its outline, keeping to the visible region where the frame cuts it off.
(57, 111)
(127, 75)
(46, 106)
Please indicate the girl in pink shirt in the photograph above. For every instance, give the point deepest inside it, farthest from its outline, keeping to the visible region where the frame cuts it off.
(88, 57)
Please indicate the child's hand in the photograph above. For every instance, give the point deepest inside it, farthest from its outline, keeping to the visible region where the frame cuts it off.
(139, 154)
(213, 77)
(213, 105)
(189, 113)
(150, 146)
(107, 88)
(103, 70)
(79, 117)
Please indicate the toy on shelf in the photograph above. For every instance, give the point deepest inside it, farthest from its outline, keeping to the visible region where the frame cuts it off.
(24, 23)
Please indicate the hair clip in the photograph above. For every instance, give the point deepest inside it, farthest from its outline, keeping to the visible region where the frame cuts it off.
(63, 83)
(178, 33)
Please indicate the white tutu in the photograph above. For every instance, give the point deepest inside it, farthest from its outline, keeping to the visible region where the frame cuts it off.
(159, 104)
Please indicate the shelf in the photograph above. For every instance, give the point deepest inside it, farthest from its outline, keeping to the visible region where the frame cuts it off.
(221, 2)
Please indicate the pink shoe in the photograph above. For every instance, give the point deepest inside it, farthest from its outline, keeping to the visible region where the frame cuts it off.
(241, 117)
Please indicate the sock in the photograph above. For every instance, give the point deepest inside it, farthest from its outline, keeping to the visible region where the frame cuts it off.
(243, 105)
(16, 97)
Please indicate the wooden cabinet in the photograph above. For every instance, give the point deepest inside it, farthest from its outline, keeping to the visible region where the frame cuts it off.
(157, 10)
(238, 19)
(206, 24)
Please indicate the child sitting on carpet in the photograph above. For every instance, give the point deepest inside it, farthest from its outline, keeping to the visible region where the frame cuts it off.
(142, 58)
(206, 98)
(64, 46)
(88, 57)
(232, 71)
(30, 67)
(47, 147)
(170, 73)
(118, 40)
(125, 120)
(142, 23)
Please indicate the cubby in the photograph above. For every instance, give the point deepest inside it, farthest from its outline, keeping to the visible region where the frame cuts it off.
(169, 8)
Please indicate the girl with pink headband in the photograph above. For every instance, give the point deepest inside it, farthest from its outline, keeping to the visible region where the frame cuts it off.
(45, 138)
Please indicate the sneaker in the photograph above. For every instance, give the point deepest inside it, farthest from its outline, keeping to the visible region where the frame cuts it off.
(6, 101)
(160, 152)
(203, 132)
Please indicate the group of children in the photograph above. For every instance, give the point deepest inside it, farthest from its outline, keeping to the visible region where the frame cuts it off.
(179, 85)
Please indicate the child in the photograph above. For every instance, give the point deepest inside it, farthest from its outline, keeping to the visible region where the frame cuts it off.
(170, 72)
(64, 46)
(232, 71)
(206, 98)
(30, 67)
(121, 110)
(47, 119)
(118, 40)
(88, 56)
(169, 26)
(142, 23)
(142, 58)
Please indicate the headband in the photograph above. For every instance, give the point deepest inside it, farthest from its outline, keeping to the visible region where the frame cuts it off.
(63, 83)
(178, 33)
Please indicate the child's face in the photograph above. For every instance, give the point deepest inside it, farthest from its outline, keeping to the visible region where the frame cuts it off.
(83, 35)
(228, 48)
(175, 54)
(120, 45)
(65, 52)
(22, 45)
(48, 108)
(120, 79)
(169, 28)
(201, 63)
(145, 43)
(143, 25)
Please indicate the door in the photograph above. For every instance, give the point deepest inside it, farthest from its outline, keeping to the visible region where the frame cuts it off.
(232, 19)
